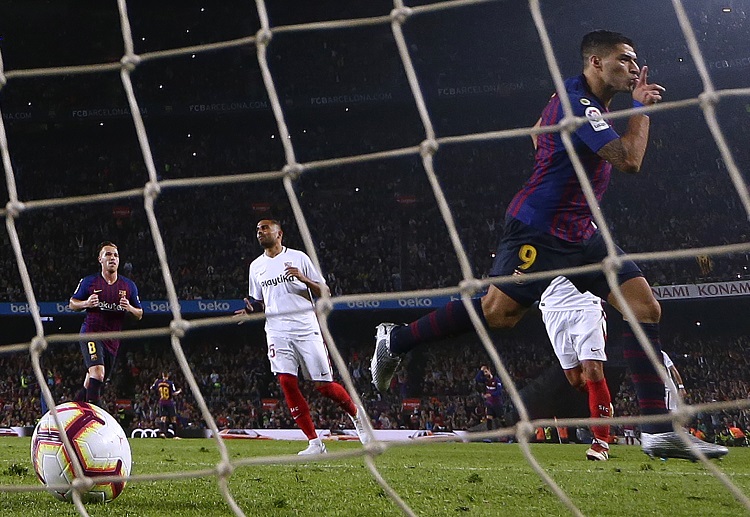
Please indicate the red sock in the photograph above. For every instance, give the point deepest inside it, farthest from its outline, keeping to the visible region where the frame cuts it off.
(297, 404)
(599, 405)
(338, 394)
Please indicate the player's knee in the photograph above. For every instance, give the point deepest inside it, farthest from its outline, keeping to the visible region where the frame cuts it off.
(593, 371)
(648, 311)
(97, 372)
(500, 311)
(500, 321)
(579, 383)
(324, 388)
(288, 382)
(580, 386)
(641, 299)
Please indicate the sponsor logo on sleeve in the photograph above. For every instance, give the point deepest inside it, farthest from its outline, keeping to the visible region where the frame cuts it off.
(595, 119)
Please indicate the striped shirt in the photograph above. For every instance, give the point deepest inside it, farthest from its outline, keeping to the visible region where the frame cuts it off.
(108, 316)
(552, 199)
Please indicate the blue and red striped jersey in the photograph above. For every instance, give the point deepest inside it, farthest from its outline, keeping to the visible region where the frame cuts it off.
(166, 390)
(552, 199)
(108, 316)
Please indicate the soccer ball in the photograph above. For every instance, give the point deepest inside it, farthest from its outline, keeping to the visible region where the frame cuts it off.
(98, 442)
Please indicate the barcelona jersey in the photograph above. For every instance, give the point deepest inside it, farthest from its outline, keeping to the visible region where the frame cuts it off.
(552, 199)
(166, 390)
(108, 316)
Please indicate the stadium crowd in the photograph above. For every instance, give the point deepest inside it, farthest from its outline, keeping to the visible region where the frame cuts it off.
(435, 391)
(398, 240)
(375, 225)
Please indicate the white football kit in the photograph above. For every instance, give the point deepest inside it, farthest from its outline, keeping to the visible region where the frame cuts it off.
(576, 323)
(670, 399)
(292, 331)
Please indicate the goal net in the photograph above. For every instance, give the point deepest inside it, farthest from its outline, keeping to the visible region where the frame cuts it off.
(291, 155)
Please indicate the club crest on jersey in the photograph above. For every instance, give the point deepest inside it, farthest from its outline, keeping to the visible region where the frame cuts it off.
(287, 264)
(122, 293)
(585, 101)
(595, 119)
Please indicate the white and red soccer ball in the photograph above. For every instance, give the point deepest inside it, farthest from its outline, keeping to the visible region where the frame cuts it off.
(98, 442)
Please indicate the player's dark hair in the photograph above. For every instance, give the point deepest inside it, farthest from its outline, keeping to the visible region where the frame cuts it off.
(105, 243)
(602, 42)
(274, 222)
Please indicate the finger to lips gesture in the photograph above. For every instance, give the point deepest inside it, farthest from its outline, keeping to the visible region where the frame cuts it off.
(647, 93)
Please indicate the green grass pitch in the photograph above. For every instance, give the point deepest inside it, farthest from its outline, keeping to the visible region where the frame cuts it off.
(435, 479)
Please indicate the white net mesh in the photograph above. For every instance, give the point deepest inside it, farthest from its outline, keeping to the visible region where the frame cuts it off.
(289, 174)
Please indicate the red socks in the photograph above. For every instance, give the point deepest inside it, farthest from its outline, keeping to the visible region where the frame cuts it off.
(599, 405)
(338, 394)
(297, 404)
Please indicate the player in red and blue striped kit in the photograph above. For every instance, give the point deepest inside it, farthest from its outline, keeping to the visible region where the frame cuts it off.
(107, 299)
(492, 394)
(167, 411)
(549, 226)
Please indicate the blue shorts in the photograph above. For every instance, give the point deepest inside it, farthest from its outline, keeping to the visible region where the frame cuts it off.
(167, 410)
(524, 249)
(96, 353)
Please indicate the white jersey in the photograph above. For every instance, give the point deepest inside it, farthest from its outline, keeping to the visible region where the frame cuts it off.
(289, 306)
(562, 295)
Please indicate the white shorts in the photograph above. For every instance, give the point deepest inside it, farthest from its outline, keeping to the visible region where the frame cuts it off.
(577, 335)
(289, 354)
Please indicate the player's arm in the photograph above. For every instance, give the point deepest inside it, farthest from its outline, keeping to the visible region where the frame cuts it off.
(132, 304)
(251, 305)
(676, 377)
(534, 136)
(626, 153)
(254, 300)
(137, 312)
(80, 300)
(81, 305)
(318, 289)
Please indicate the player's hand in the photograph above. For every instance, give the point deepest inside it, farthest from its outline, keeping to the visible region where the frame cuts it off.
(93, 301)
(244, 312)
(647, 93)
(292, 272)
(125, 304)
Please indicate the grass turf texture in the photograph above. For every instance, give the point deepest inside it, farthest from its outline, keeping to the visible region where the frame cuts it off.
(434, 479)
